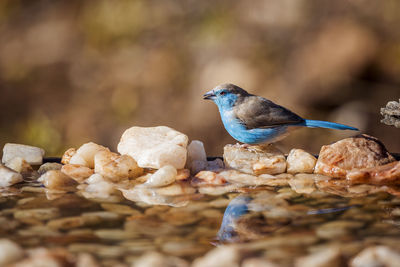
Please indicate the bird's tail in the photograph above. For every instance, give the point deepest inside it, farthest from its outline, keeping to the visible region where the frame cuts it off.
(327, 124)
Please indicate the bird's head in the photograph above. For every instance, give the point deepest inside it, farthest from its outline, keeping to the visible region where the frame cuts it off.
(225, 95)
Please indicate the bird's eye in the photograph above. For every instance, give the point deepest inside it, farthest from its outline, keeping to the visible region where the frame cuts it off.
(222, 93)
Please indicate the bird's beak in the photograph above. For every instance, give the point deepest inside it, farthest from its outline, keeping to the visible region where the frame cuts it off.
(209, 95)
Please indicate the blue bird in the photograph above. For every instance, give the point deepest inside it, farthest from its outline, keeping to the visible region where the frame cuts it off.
(252, 119)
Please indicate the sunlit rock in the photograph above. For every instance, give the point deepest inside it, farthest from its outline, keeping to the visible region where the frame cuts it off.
(360, 152)
(182, 174)
(164, 176)
(57, 180)
(300, 161)
(8, 176)
(32, 155)
(20, 165)
(68, 155)
(197, 158)
(49, 166)
(154, 147)
(255, 159)
(87, 152)
(328, 257)
(77, 172)
(9, 252)
(380, 175)
(376, 256)
(115, 167)
(208, 178)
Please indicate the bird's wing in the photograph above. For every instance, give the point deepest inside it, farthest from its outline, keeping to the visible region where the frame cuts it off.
(258, 112)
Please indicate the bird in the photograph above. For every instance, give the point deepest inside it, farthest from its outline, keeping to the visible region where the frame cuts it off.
(253, 120)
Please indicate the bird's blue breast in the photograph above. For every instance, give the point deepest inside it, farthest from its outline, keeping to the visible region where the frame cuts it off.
(249, 136)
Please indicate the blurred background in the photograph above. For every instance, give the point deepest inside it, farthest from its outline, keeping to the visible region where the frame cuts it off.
(78, 71)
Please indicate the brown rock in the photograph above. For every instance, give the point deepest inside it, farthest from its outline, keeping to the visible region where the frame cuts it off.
(360, 152)
(384, 174)
(77, 172)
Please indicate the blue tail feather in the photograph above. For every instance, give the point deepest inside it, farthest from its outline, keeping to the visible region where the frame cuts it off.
(327, 124)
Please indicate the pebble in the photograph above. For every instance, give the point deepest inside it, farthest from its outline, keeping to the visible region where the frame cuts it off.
(197, 158)
(32, 155)
(329, 257)
(8, 176)
(156, 259)
(77, 172)
(360, 152)
(57, 180)
(20, 165)
(380, 175)
(376, 256)
(98, 187)
(10, 252)
(164, 176)
(223, 256)
(116, 168)
(66, 158)
(48, 166)
(155, 147)
(86, 154)
(300, 161)
(255, 160)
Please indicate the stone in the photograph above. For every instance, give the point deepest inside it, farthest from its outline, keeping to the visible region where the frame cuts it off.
(57, 180)
(303, 183)
(77, 172)
(48, 166)
(182, 174)
(234, 176)
(197, 158)
(258, 262)
(68, 155)
(156, 259)
(37, 214)
(256, 160)
(20, 165)
(78, 160)
(154, 147)
(376, 256)
(380, 175)
(86, 260)
(360, 152)
(328, 257)
(215, 165)
(116, 168)
(208, 178)
(8, 177)
(10, 252)
(164, 176)
(391, 114)
(40, 257)
(31, 154)
(87, 152)
(300, 161)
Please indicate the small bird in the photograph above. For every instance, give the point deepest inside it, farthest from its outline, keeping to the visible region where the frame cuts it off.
(252, 119)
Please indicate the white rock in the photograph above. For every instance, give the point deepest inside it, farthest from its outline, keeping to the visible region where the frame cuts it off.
(154, 147)
(32, 155)
(115, 167)
(57, 180)
(223, 256)
(9, 252)
(19, 165)
(8, 176)
(376, 256)
(300, 161)
(88, 151)
(78, 160)
(197, 158)
(265, 159)
(68, 155)
(77, 172)
(98, 187)
(162, 177)
(329, 257)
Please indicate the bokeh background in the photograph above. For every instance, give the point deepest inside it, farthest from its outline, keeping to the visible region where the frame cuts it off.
(77, 71)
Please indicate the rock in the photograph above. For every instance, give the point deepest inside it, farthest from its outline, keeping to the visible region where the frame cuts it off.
(303, 183)
(154, 147)
(40, 257)
(87, 152)
(116, 168)
(255, 159)
(20, 165)
(156, 259)
(234, 176)
(78, 160)
(376, 256)
(391, 114)
(300, 161)
(86, 260)
(162, 177)
(360, 152)
(49, 166)
(197, 158)
(8, 177)
(208, 178)
(258, 262)
(37, 214)
(182, 174)
(57, 180)
(328, 257)
(77, 172)
(98, 187)
(223, 256)
(216, 164)
(380, 175)
(68, 155)
(9, 252)
(32, 155)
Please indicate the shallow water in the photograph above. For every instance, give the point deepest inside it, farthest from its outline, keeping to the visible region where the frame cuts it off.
(274, 223)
